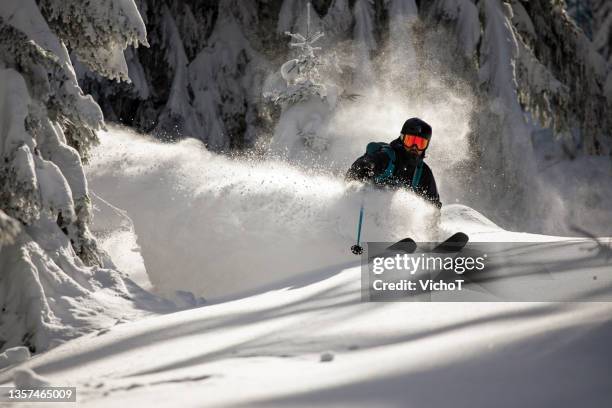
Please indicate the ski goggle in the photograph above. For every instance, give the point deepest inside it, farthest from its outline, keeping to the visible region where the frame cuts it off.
(412, 140)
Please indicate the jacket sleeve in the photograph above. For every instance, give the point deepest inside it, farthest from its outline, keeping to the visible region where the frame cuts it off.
(430, 190)
(367, 166)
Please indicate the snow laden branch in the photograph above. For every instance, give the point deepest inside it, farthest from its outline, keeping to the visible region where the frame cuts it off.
(301, 74)
(306, 100)
(51, 269)
(553, 70)
(97, 32)
(9, 229)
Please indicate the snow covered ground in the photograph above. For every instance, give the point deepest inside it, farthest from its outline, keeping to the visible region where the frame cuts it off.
(266, 350)
(266, 245)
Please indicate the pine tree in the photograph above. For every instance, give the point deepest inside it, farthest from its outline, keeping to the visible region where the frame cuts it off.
(302, 73)
(97, 32)
(305, 98)
(47, 127)
(558, 76)
(602, 23)
(582, 13)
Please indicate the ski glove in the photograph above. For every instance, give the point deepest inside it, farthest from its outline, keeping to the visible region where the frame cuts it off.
(362, 169)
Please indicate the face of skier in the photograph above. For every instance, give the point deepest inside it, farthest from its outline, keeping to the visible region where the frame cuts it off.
(415, 145)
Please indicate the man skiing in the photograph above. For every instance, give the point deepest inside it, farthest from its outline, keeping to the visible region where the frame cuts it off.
(400, 164)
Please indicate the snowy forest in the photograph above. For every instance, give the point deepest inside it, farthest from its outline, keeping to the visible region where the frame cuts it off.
(207, 73)
(173, 181)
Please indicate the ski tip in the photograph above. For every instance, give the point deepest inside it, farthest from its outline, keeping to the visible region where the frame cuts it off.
(407, 245)
(458, 236)
(454, 243)
(407, 240)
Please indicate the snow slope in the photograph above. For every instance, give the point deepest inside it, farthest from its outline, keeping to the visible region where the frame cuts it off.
(296, 332)
(268, 350)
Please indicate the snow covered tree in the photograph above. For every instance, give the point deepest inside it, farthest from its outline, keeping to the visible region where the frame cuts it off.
(49, 260)
(557, 74)
(517, 61)
(365, 40)
(301, 74)
(200, 78)
(306, 100)
(9, 229)
(602, 25)
(594, 17)
(579, 75)
(217, 100)
(226, 77)
(534, 68)
(159, 97)
(97, 32)
(582, 13)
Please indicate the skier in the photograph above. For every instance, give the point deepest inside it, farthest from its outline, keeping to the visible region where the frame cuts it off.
(400, 164)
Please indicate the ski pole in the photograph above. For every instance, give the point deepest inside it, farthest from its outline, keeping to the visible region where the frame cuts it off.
(357, 249)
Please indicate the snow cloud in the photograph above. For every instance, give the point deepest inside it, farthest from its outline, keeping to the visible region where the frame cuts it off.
(218, 226)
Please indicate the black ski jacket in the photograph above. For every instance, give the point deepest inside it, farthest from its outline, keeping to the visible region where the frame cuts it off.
(368, 166)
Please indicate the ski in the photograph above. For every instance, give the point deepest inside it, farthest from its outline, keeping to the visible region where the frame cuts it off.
(406, 245)
(454, 243)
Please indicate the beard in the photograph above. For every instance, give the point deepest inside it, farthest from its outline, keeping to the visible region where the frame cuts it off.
(413, 155)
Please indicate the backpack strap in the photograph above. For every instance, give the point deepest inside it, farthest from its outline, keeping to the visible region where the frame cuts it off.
(416, 177)
(374, 147)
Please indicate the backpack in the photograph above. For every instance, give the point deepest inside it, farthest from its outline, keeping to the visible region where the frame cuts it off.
(375, 147)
